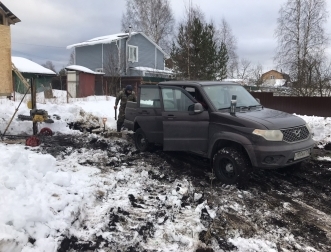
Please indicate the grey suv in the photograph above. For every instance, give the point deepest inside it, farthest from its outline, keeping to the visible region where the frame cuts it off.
(220, 121)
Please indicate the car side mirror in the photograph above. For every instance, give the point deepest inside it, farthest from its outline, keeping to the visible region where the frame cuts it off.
(196, 108)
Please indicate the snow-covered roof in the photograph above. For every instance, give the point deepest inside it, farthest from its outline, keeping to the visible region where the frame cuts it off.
(102, 40)
(112, 38)
(27, 66)
(149, 69)
(81, 69)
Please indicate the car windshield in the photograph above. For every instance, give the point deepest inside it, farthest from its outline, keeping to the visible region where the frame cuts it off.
(220, 96)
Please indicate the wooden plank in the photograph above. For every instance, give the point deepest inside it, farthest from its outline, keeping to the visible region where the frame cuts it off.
(19, 75)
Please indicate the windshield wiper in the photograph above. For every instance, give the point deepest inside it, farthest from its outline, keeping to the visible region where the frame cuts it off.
(224, 108)
(241, 108)
(255, 106)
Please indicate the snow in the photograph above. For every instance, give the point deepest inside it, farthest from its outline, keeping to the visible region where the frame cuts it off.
(321, 128)
(82, 69)
(43, 197)
(274, 83)
(27, 66)
(102, 40)
(279, 82)
(149, 69)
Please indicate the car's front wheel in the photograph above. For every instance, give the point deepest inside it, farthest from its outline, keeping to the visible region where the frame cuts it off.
(231, 166)
(141, 141)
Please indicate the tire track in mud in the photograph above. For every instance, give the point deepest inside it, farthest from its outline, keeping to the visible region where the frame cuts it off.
(294, 202)
(289, 208)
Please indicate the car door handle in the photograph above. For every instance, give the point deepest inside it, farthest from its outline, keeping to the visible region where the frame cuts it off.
(171, 117)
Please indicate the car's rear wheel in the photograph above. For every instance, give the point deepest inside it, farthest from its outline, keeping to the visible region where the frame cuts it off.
(141, 141)
(231, 166)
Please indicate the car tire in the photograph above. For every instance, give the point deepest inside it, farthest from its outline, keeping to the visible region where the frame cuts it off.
(141, 141)
(231, 166)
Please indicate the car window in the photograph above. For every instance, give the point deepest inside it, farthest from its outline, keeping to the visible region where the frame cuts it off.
(150, 98)
(175, 100)
(220, 96)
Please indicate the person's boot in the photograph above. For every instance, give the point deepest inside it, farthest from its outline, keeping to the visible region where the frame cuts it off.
(119, 126)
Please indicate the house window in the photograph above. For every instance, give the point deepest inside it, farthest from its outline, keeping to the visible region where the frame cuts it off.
(133, 53)
(272, 77)
(1, 19)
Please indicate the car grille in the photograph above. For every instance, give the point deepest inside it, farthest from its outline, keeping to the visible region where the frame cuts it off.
(295, 134)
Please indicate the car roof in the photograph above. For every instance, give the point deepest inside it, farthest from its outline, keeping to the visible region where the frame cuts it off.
(196, 83)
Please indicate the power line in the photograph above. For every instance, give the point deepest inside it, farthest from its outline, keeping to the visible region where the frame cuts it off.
(64, 47)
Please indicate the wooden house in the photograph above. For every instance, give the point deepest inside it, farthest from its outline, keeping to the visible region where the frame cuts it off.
(274, 78)
(7, 18)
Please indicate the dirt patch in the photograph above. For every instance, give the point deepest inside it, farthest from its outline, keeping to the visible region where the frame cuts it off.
(290, 207)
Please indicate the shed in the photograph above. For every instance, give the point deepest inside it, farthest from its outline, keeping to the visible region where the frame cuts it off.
(7, 18)
(33, 72)
(81, 81)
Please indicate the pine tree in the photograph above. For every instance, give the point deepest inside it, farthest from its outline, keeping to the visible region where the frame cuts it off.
(223, 60)
(196, 54)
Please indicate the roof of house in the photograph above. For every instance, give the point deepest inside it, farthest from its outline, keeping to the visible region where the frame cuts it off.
(9, 14)
(285, 76)
(81, 69)
(27, 66)
(112, 38)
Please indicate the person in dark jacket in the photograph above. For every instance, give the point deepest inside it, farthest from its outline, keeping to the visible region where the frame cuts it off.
(124, 95)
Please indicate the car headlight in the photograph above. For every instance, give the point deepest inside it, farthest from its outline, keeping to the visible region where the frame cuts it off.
(270, 135)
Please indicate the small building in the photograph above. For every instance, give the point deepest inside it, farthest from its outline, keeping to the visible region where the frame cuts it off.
(7, 18)
(81, 81)
(34, 73)
(274, 78)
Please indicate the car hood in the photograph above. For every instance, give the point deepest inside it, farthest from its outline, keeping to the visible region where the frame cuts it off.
(272, 119)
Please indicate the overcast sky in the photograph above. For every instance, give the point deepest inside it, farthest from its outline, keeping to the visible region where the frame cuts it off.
(48, 26)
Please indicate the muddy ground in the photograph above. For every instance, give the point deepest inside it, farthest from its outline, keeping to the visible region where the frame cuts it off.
(290, 208)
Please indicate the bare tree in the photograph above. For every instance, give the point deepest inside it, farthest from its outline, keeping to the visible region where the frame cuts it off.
(225, 36)
(72, 58)
(153, 17)
(244, 69)
(114, 66)
(301, 42)
(49, 64)
(256, 75)
(323, 76)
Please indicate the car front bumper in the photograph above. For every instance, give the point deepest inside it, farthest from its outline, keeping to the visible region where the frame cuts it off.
(276, 155)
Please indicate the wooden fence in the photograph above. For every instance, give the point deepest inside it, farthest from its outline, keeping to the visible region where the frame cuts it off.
(310, 106)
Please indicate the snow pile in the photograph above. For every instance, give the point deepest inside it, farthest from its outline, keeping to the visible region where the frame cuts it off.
(39, 198)
(320, 127)
(93, 108)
